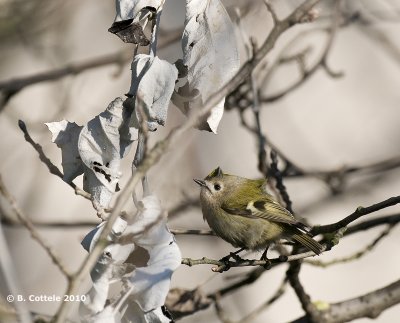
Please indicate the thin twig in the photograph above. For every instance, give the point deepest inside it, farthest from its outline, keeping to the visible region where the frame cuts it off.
(188, 203)
(272, 12)
(44, 159)
(221, 266)
(372, 223)
(359, 212)
(32, 230)
(321, 62)
(279, 182)
(356, 255)
(276, 296)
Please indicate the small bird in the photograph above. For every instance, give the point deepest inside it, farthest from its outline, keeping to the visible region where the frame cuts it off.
(240, 211)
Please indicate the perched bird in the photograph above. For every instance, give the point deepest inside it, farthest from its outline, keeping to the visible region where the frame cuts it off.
(240, 211)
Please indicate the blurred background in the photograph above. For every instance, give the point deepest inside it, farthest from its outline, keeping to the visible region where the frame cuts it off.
(343, 115)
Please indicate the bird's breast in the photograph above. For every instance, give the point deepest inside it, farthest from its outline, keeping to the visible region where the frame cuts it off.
(241, 232)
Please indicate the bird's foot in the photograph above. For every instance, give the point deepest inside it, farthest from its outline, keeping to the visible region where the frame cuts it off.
(264, 257)
(227, 258)
(268, 263)
(234, 255)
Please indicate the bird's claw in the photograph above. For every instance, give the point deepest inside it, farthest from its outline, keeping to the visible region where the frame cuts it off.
(268, 263)
(232, 255)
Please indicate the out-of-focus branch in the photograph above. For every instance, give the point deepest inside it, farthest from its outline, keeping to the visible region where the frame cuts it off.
(277, 295)
(306, 73)
(8, 88)
(372, 223)
(334, 178)
(32, 230)
(292, 275)
(221, 313)
(354, 256)
(370, 305)
(242, 97)
(187, 203)
(174, 211)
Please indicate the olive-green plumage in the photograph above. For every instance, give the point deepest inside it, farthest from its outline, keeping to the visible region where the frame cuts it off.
(240, 211)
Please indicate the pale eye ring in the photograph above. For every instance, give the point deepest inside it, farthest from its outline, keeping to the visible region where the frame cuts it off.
(217, 187)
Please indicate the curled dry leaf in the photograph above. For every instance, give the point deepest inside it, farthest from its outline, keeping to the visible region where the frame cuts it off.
(153, 82)
(131, 18)
(102, 143)
(211, 56)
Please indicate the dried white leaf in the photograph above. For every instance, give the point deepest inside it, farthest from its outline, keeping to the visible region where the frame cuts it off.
(146, 287)
(152, 85)
(151, 283)
(102, 143)
(65, 135)
(211, 56)
(109, 268)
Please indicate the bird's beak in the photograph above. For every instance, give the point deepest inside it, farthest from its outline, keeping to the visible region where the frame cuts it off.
(200, 182)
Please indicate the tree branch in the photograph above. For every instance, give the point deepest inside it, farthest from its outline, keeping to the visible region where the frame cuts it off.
(53, 169)
(34, 233)
(370, 305)
(359, 212)
(292, 275)
(10, 87)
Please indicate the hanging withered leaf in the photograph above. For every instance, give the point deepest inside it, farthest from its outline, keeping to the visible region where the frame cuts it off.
(211, 56)
(102, 143)
(153, 82)
(129, 32)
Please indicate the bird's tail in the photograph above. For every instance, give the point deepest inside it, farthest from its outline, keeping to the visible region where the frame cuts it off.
(308, 242)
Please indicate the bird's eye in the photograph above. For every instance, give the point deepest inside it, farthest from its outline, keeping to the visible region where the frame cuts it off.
(217, 187)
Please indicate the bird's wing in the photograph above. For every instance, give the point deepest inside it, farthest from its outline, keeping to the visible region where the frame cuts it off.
(268, 209)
